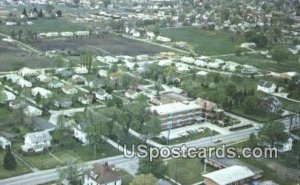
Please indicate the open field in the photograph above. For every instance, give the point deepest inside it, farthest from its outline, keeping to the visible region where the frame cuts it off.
(265, 63)
(177, 170)
(202, 41)
(13, 58)
(44, 25)
(107, 44)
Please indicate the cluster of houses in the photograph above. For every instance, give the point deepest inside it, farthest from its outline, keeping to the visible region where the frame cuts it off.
(67, 34)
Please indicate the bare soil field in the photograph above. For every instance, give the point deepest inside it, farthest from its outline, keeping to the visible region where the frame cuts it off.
(13, 58)
(105, 45)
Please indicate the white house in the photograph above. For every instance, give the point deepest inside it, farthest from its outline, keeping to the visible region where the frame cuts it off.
(163, 39)
(9, 96)
(131, 94)
(82, 33)
(200, 63)
(102, 72)
(32, 111)
(37, 141)
(202, 74)
(102, 174)
(287, 146)
(248, 45)
(135, 33)
(150, 36)
(79, 132)
(67, 34)
(44, 78)
(52, 34)
(189, 60)
(55, 84)
(24, 83)
(110, 59)
(25, 71)
(44, 93)
(266, 86)
(13, 77)
(142, 57)
(69, 89)
(165, 62)
(213, 65)
(81, 70)
(4, 143)
(101, 94)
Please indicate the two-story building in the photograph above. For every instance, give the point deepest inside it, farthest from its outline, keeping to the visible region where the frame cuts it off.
(37, 141)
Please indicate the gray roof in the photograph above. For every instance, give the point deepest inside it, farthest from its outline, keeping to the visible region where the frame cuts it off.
(264, 83)
(42, 124)
(39, 136)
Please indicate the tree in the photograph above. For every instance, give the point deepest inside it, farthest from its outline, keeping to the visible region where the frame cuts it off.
(10, 162)
(279, 53)
(61, 131)
(96, 127)
(230, 89)
(142, 179)
(49, 9)
(152, 127)
(25, 12)
(59, 13)
(114, 102)
(70, 173)
(2, 95)
(13, 34)
(76, 3)
(59, 61)
(155, 167)
(273, 134)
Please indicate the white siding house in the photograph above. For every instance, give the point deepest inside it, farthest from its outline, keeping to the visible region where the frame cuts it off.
(37, 141)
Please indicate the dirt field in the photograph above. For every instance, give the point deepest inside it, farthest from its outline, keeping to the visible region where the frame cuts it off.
(105, 45)
(12, 58)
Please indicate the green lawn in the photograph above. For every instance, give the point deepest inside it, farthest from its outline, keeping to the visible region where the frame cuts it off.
(202, 41)
(262, 62)
(186, 171)
(44, 25)
(21, 168)
(290, 105)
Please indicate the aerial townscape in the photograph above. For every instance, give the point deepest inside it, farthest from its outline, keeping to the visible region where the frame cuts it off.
(135, 92)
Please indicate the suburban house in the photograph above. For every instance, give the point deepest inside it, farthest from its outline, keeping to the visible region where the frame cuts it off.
(17, 104)
(272, 104)
(102, 174)
(177, 114)
(27, 72)
(37, 141)
(266, 86)
(79, 132)
(41, 124)
(163, 39)
(32, 111)
(287, 146)
(63, 102)
(69, 89)
(79, 80)
(4, 143)
(44, 93)
(102, 73)
(200, 63)
(81, 70)
(64, 73)
(8, 96)
(131, 94)
(13, 77)
(44, 78)
(97, 83)
(231, 175)
(55, 84)
(101, 94)
(24, 83)
(87, 99)
(188, 60)
(150, 36)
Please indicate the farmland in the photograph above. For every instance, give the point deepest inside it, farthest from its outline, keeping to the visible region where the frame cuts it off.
(13, 58)
(107, 44)
(202, 42)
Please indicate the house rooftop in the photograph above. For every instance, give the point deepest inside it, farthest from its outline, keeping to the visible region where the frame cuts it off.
(105, 173)
(174, 108)
(229, 175)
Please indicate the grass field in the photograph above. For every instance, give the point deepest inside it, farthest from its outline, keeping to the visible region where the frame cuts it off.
(21, 168)
(262, 62)
(202, 41)
(44, 25)
(186, 171)
(74, 152)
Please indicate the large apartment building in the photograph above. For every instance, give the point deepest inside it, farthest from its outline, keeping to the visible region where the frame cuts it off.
(178, 114)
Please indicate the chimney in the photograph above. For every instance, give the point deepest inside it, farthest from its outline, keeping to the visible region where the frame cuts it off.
(106, 166)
